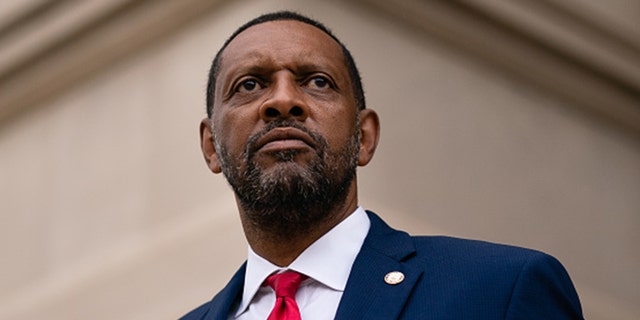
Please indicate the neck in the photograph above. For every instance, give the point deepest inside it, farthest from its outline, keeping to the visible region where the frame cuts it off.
(282, 249)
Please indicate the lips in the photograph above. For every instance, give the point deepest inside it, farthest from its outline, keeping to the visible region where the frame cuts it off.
(287, 138)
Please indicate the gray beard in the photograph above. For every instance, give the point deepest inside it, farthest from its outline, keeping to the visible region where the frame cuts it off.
(292, 198)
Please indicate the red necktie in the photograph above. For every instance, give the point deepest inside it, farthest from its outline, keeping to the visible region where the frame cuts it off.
(286, 285)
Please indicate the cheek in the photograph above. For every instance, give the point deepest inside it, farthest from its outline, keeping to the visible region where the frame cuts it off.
(232, 133)
(339, 128)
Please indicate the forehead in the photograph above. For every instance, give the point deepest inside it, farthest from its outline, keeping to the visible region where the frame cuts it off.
(282, 42)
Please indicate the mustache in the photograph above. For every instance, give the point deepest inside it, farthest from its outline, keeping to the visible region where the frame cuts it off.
(251, 147)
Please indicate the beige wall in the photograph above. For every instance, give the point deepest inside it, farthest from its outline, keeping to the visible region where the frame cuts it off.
(108, 211)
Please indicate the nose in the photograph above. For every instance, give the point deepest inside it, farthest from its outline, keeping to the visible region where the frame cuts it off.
(286, 101)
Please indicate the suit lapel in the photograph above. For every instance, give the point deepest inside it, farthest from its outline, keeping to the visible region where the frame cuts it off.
(228, 297)
(367, 295)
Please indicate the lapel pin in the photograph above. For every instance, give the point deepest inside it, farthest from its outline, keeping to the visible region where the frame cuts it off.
(394, 277)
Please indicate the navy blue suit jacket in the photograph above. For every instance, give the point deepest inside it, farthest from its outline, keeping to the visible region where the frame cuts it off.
(445, 278)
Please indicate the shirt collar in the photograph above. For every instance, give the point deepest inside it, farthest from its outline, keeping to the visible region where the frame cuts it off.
(337, 248)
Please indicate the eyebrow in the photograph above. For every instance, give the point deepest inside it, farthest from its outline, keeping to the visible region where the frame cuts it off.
(256, 63)
(258, 67)
(312, 67)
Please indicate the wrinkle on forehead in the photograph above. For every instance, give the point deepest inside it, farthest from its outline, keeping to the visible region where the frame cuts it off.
(282, 39)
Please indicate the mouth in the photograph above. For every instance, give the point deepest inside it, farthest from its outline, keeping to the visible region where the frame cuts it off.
(284, 138)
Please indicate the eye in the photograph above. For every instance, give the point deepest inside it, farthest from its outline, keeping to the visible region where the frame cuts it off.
(248, 85)
(319, 82)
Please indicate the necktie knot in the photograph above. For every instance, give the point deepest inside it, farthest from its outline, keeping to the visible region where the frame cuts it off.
(286, 285)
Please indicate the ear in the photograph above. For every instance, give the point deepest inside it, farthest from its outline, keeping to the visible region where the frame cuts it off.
(208, 147)
(369, 135)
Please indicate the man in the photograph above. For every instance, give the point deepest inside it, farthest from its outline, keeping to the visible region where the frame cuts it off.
(287, 126)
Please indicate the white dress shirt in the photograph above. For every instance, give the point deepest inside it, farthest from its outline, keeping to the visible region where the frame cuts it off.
(327, 262)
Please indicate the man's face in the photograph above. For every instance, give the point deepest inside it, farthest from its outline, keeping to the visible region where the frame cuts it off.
(285, 123)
